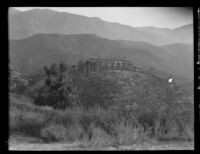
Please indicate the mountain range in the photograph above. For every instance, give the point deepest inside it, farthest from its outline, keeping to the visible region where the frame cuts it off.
(27, 23)
(42, 49)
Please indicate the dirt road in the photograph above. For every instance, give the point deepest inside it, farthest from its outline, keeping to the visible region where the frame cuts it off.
(35, 145)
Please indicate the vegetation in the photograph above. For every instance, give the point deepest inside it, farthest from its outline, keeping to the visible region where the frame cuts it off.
(110, 108)
(58, 90)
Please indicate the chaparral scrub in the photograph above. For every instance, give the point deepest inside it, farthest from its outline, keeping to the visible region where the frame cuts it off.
(101, 109)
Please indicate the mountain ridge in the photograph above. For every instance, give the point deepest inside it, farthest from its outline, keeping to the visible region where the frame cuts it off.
(42, 49)
(27, 23)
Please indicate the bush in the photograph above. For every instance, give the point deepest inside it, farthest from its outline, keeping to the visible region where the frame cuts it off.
(100, 138)
(29, 124)
(127, 134)
(54, 132)
(58, 90)
(96, 89)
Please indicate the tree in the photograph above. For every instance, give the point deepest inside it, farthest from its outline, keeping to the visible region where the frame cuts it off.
(58, 90)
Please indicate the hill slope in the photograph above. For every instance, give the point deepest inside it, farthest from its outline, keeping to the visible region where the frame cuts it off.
(41, 49)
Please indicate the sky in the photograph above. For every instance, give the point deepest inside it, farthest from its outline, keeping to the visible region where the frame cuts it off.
(162, 17)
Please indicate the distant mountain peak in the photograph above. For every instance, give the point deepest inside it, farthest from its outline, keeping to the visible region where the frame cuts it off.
(40, 11)
(13, 10)
(48, 21)
(184, 26)
(96, 18)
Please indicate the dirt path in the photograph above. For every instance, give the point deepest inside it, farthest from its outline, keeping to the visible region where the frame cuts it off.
(35, 145)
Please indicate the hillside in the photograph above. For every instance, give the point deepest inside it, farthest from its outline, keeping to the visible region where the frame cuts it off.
(183, 34)
(27, 23)
(115, 111)
(177, 57)
(42, 49)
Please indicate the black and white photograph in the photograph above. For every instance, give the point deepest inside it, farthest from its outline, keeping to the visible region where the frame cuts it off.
(101, 78)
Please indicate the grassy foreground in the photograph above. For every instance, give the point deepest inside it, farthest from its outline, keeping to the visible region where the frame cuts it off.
(94, 128)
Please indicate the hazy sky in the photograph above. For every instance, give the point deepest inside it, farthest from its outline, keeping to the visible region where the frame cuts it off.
(165, 17)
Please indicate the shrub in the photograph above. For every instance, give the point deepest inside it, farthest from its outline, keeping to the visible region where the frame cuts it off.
(100, 138)
(54, 132)
(14, 121)
(128, 134)
(29, 124)
(96, 89)
(58, 90)
(174, 127)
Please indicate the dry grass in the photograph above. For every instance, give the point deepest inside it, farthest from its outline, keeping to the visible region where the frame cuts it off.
(127, 134)
(95, 127)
